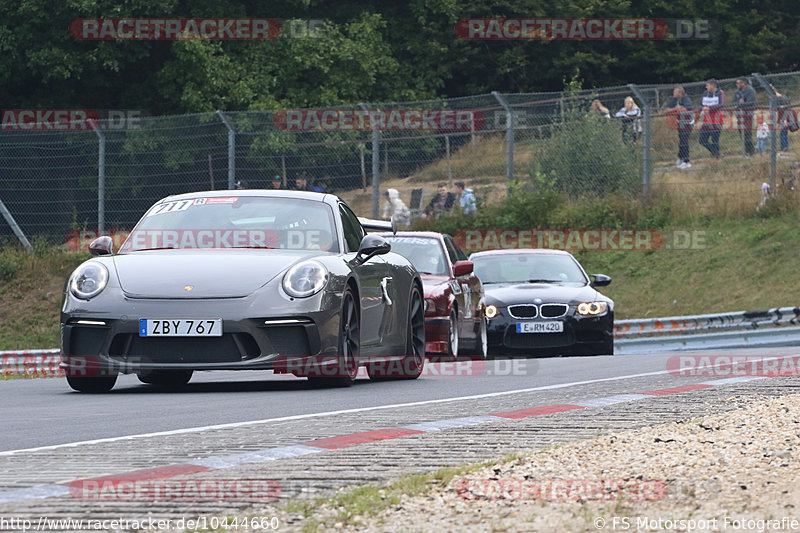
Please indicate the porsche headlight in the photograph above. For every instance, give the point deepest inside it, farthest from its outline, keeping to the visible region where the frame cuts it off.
(490, 311)
(592, 308)
(88, 280)
(305, 279)
(430, 305)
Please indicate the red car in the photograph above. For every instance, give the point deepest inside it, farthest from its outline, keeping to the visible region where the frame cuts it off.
(454, 308)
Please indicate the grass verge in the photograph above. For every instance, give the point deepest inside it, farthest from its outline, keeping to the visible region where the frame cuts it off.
(31, 286)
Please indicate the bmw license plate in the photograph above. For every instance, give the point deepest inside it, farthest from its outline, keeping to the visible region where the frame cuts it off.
(182, 327)
(540, 327)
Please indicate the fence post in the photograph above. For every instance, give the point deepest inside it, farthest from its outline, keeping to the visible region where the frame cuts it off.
(231, 149)
(449, 166)
(774, 122)
(376, 163)
(101, 179)
(646, 163)
(509, 140)
(14, 227)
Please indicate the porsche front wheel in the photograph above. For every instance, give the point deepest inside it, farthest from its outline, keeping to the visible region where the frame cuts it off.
(346, 369)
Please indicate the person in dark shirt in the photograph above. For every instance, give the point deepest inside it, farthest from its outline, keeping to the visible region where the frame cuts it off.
(745, 100)
(443, 201)
(303, 185)
(680, 106)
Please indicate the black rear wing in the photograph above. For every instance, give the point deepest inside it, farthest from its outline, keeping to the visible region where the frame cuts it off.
(371, 224)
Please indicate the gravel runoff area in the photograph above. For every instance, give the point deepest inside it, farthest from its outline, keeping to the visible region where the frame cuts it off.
(738, 471)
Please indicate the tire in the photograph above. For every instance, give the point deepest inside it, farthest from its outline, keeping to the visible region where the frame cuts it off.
(481, 348)
(413, 363)
(92, 384)
(608, 347)
(349, 346)
(452, 344)
(166, 378)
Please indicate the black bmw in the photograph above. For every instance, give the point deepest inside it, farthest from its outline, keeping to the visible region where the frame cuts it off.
(543, 302)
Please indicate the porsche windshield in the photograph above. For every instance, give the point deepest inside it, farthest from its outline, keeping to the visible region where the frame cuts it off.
(235, 222)
(425, 253)
(529, 268)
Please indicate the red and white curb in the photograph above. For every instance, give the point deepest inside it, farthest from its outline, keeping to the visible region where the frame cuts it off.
(346, 441)
(31, 362)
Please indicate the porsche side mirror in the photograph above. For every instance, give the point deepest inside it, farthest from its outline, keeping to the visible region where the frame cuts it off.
(101, 246)
(600, 280)
(462, 268)
(372, 245)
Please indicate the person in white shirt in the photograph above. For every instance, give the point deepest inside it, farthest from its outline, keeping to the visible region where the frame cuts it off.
(395, 209)
(762, 134)
(631, 122)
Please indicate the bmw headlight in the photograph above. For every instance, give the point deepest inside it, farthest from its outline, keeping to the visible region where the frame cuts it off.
(88, 280)
(305, 279)
(592, 308)
(490, 311)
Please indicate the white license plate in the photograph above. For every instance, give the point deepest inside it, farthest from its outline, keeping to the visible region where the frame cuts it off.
(180, 327)
(540, 327)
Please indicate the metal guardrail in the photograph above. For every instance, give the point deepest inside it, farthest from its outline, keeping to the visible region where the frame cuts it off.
(727, 340)
(702, 323)
(640, 336)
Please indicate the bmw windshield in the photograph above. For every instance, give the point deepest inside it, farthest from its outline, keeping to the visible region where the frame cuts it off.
(529, 268)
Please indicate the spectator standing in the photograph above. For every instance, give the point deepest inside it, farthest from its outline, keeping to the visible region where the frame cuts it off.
(600, 110)
(745, 100)
(443, 201)
(631, 121)
(395, 209)
(680, 105)
(240, 185)
(762, 134)
(713, 117)
(784, 114)
(466, 198)
(276, 182)
(303, 185)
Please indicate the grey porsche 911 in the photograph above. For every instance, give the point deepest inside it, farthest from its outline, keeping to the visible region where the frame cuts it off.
(243, 280)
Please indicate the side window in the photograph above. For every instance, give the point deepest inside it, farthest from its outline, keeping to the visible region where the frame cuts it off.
(451, 249)
(353, 232)
(460, 255)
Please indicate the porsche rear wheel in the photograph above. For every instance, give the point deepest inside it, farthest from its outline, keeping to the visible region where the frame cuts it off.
(414, 361)
(165, 378)
(346, 368)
